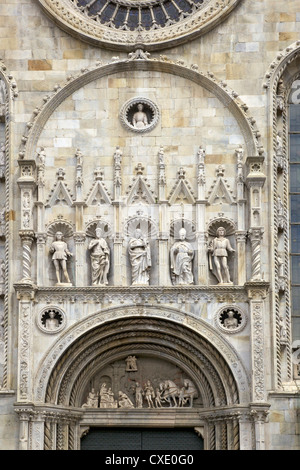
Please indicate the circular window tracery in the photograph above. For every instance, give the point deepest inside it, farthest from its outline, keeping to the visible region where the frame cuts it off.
(123, 24)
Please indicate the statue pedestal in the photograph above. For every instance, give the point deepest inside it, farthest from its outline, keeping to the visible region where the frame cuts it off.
(63, 284)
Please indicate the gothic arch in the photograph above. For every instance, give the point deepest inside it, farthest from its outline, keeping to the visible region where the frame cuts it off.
(114, 333)
(141, 62)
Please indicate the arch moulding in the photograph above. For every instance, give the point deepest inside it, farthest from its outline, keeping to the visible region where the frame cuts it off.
(100, 318)
(141, 61)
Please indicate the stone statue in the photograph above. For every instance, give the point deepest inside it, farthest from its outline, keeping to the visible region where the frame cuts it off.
(138, 395)
(60, 252)
(230, 321)
(51, 323)
(92, 400)
(181, 256)
(140, 119)
(100, 259)
(149, 394)
(124, 401)
(131, 364)
(140, 258)
(218, 249)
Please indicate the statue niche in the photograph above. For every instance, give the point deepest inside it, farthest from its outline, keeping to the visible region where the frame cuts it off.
(181, 257)
(60, 254)
(140, 258)
(100, 259)
(218, 252)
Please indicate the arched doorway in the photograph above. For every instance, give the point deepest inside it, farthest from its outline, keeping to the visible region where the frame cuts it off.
(167, 354)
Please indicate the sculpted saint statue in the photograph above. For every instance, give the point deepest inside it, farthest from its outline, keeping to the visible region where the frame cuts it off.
(181, 256)
(219, 248)
(60, 252)
(140, 119)
(100, 259)
(140, 258)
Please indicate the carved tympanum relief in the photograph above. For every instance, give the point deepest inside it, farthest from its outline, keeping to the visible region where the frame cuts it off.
(142, 385)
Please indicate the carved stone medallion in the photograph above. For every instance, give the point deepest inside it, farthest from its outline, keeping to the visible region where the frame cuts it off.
(139, 115)
(230, 319)
(51, 320)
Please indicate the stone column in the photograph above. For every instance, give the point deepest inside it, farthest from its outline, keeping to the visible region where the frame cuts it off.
(256, 294)
(240, 237)
(24, 418)
(41, 238)
(80, 259)
(255, 235)
(27, 237)
(25, 295)
(259, 414)
(37, 431)
(163, 242)
(245, 425)
(200, 220)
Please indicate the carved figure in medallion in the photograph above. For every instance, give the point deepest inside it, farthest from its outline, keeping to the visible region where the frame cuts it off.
(140, 258)
(140, 119)
(230, 321)
(51, 323)
(181, 256)
(60, 251)
(219, 249)
(100, 259)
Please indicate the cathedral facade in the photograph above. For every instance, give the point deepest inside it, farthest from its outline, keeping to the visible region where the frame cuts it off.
(150, 224)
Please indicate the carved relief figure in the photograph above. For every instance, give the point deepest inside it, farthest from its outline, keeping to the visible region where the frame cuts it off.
(230, 321)
(218, 249)
(140, 258)
(138, 395)
(60, 252)
(131, 364)
(181, 256)
(107, 397)
(149, 394)
(124, 401)
(92, 400)
(140, 119)
(100, 259)
(51, 323)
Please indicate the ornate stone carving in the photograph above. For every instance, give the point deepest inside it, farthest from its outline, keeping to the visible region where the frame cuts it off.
(181, 257)
(218, 251)
(131, 365)
(139, 115)
(51, 320)
(230, 319)
(60, 255)
(140, 258)
(150, 22)
(100, 259)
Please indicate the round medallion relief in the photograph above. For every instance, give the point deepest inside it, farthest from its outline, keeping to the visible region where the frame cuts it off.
(51, 320)
(122, 24)
(230, 319)
(139, 115)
